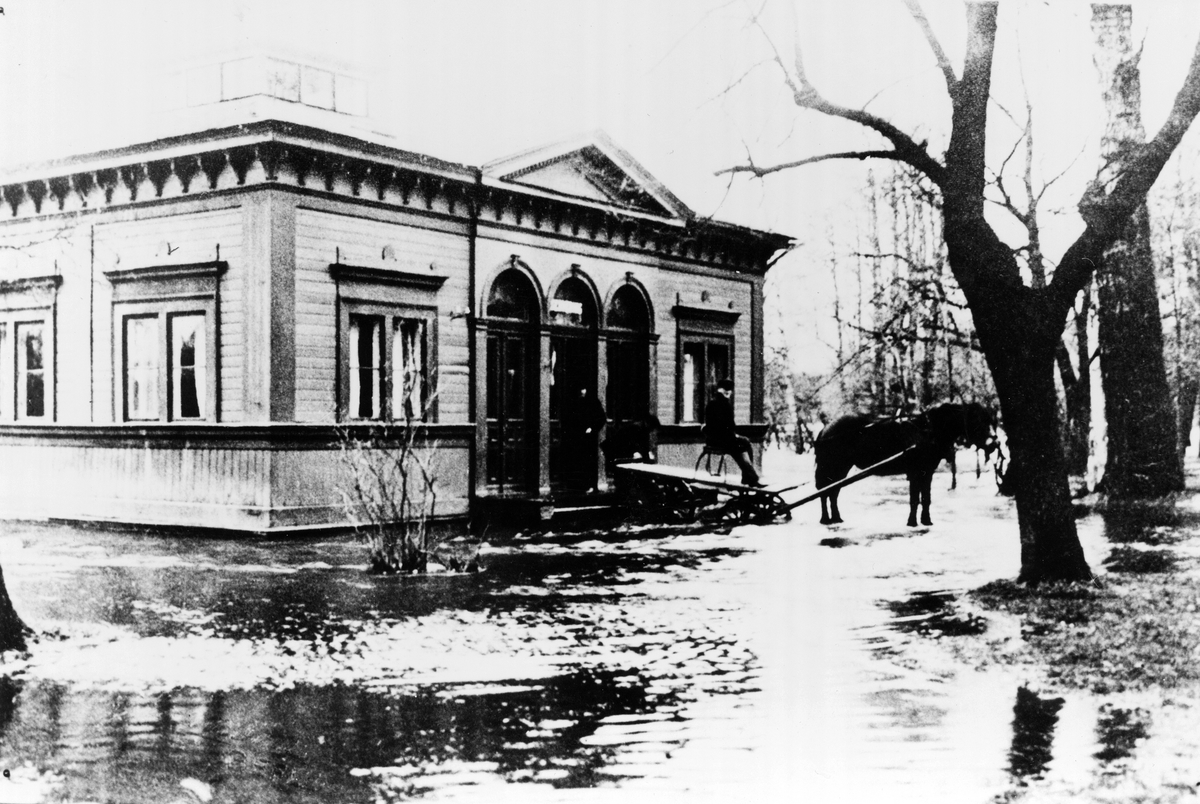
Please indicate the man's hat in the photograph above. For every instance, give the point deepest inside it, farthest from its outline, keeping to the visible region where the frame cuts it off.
(725, 385)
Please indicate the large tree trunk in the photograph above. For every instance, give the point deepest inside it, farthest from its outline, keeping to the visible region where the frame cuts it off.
(1019, 327)
(12, 629)
(1142, 456)
(1019, 338)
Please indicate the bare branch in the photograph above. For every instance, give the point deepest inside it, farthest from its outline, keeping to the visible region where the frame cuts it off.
(739, 79)
(806, 96)
(1050, 182)
(759, 172)
(918, 14)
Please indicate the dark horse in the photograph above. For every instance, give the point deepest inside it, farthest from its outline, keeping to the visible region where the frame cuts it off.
(861, 441)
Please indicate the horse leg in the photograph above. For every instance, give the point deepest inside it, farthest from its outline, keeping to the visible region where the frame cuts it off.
(824, 476)
(952, 459)
(926, 482)
(914, 496)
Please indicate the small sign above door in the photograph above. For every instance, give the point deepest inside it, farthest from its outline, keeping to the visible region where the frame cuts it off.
(566, 307)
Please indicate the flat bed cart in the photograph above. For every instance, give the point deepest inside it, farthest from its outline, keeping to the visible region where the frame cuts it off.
(671, 494)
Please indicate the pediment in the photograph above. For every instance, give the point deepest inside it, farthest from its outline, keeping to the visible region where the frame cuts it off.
(592, 168)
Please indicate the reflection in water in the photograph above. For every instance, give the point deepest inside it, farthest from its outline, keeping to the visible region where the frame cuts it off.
(1139, 561)
(281, 671)
(1148, 524)
(1118, 731)
(1034, 719)
(305, 742)
(933, 613)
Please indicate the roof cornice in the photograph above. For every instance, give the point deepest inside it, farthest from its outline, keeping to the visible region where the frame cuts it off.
(275, 154)
(247, 134)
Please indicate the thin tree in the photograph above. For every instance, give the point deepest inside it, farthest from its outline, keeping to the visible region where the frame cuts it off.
(1019, 326)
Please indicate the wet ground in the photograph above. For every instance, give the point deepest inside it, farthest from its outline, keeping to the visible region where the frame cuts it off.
(788, 662)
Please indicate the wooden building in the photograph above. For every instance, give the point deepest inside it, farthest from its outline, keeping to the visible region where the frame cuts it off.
(189, 326)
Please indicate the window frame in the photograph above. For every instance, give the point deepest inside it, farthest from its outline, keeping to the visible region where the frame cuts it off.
(390, 313)
(164, 311)
(11, 320)
(705, 339)
(27, 300)
(167, 291)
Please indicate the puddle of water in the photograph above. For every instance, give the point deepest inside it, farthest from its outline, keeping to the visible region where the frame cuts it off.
(758, 663)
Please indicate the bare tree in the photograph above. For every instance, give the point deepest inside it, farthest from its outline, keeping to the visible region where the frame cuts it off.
(1019, 326)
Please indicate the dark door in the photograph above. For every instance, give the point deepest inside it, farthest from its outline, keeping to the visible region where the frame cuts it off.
(511, 410)
(572, 451)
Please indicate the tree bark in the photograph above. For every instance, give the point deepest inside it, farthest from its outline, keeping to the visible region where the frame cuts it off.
(1019, 327)
(12, 629)
(1143, 460)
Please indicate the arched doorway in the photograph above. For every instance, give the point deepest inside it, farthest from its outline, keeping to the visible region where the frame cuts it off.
(512, 382)
(573, 338)
(628, 334)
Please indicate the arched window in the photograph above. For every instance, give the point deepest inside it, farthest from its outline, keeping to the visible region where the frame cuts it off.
(628, 322)
(627, 310)
(513, 297)
(573, 305)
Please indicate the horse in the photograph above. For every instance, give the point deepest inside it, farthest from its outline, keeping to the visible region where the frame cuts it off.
(861, 441)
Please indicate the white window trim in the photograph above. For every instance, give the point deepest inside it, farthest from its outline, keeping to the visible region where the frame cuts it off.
(390, 313)
(29, 300)
(10, 362)
(164, 311)
(166, 291)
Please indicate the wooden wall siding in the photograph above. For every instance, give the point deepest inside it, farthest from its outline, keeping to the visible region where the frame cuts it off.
(223, 488)
(307, 486)
(189, 237)
(255, 385)
(687, 288)
(322, 238)
(255, 489)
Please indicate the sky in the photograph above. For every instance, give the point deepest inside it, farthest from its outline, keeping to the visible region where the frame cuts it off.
(687, 86)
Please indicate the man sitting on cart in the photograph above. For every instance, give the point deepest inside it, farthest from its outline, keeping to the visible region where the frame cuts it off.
(720, 434)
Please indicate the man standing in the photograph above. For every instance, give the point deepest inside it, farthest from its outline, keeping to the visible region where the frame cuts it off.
(720, 434)
(582, 420)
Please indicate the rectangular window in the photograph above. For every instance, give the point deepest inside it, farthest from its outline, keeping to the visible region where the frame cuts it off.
(366, 366)
(31, 371)
(188, 366)
(141, 368)
(26, 366)
(693, 390)
(703, 363)
(164, 342)
(387, 366)
(409, 386)
(165, 368)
